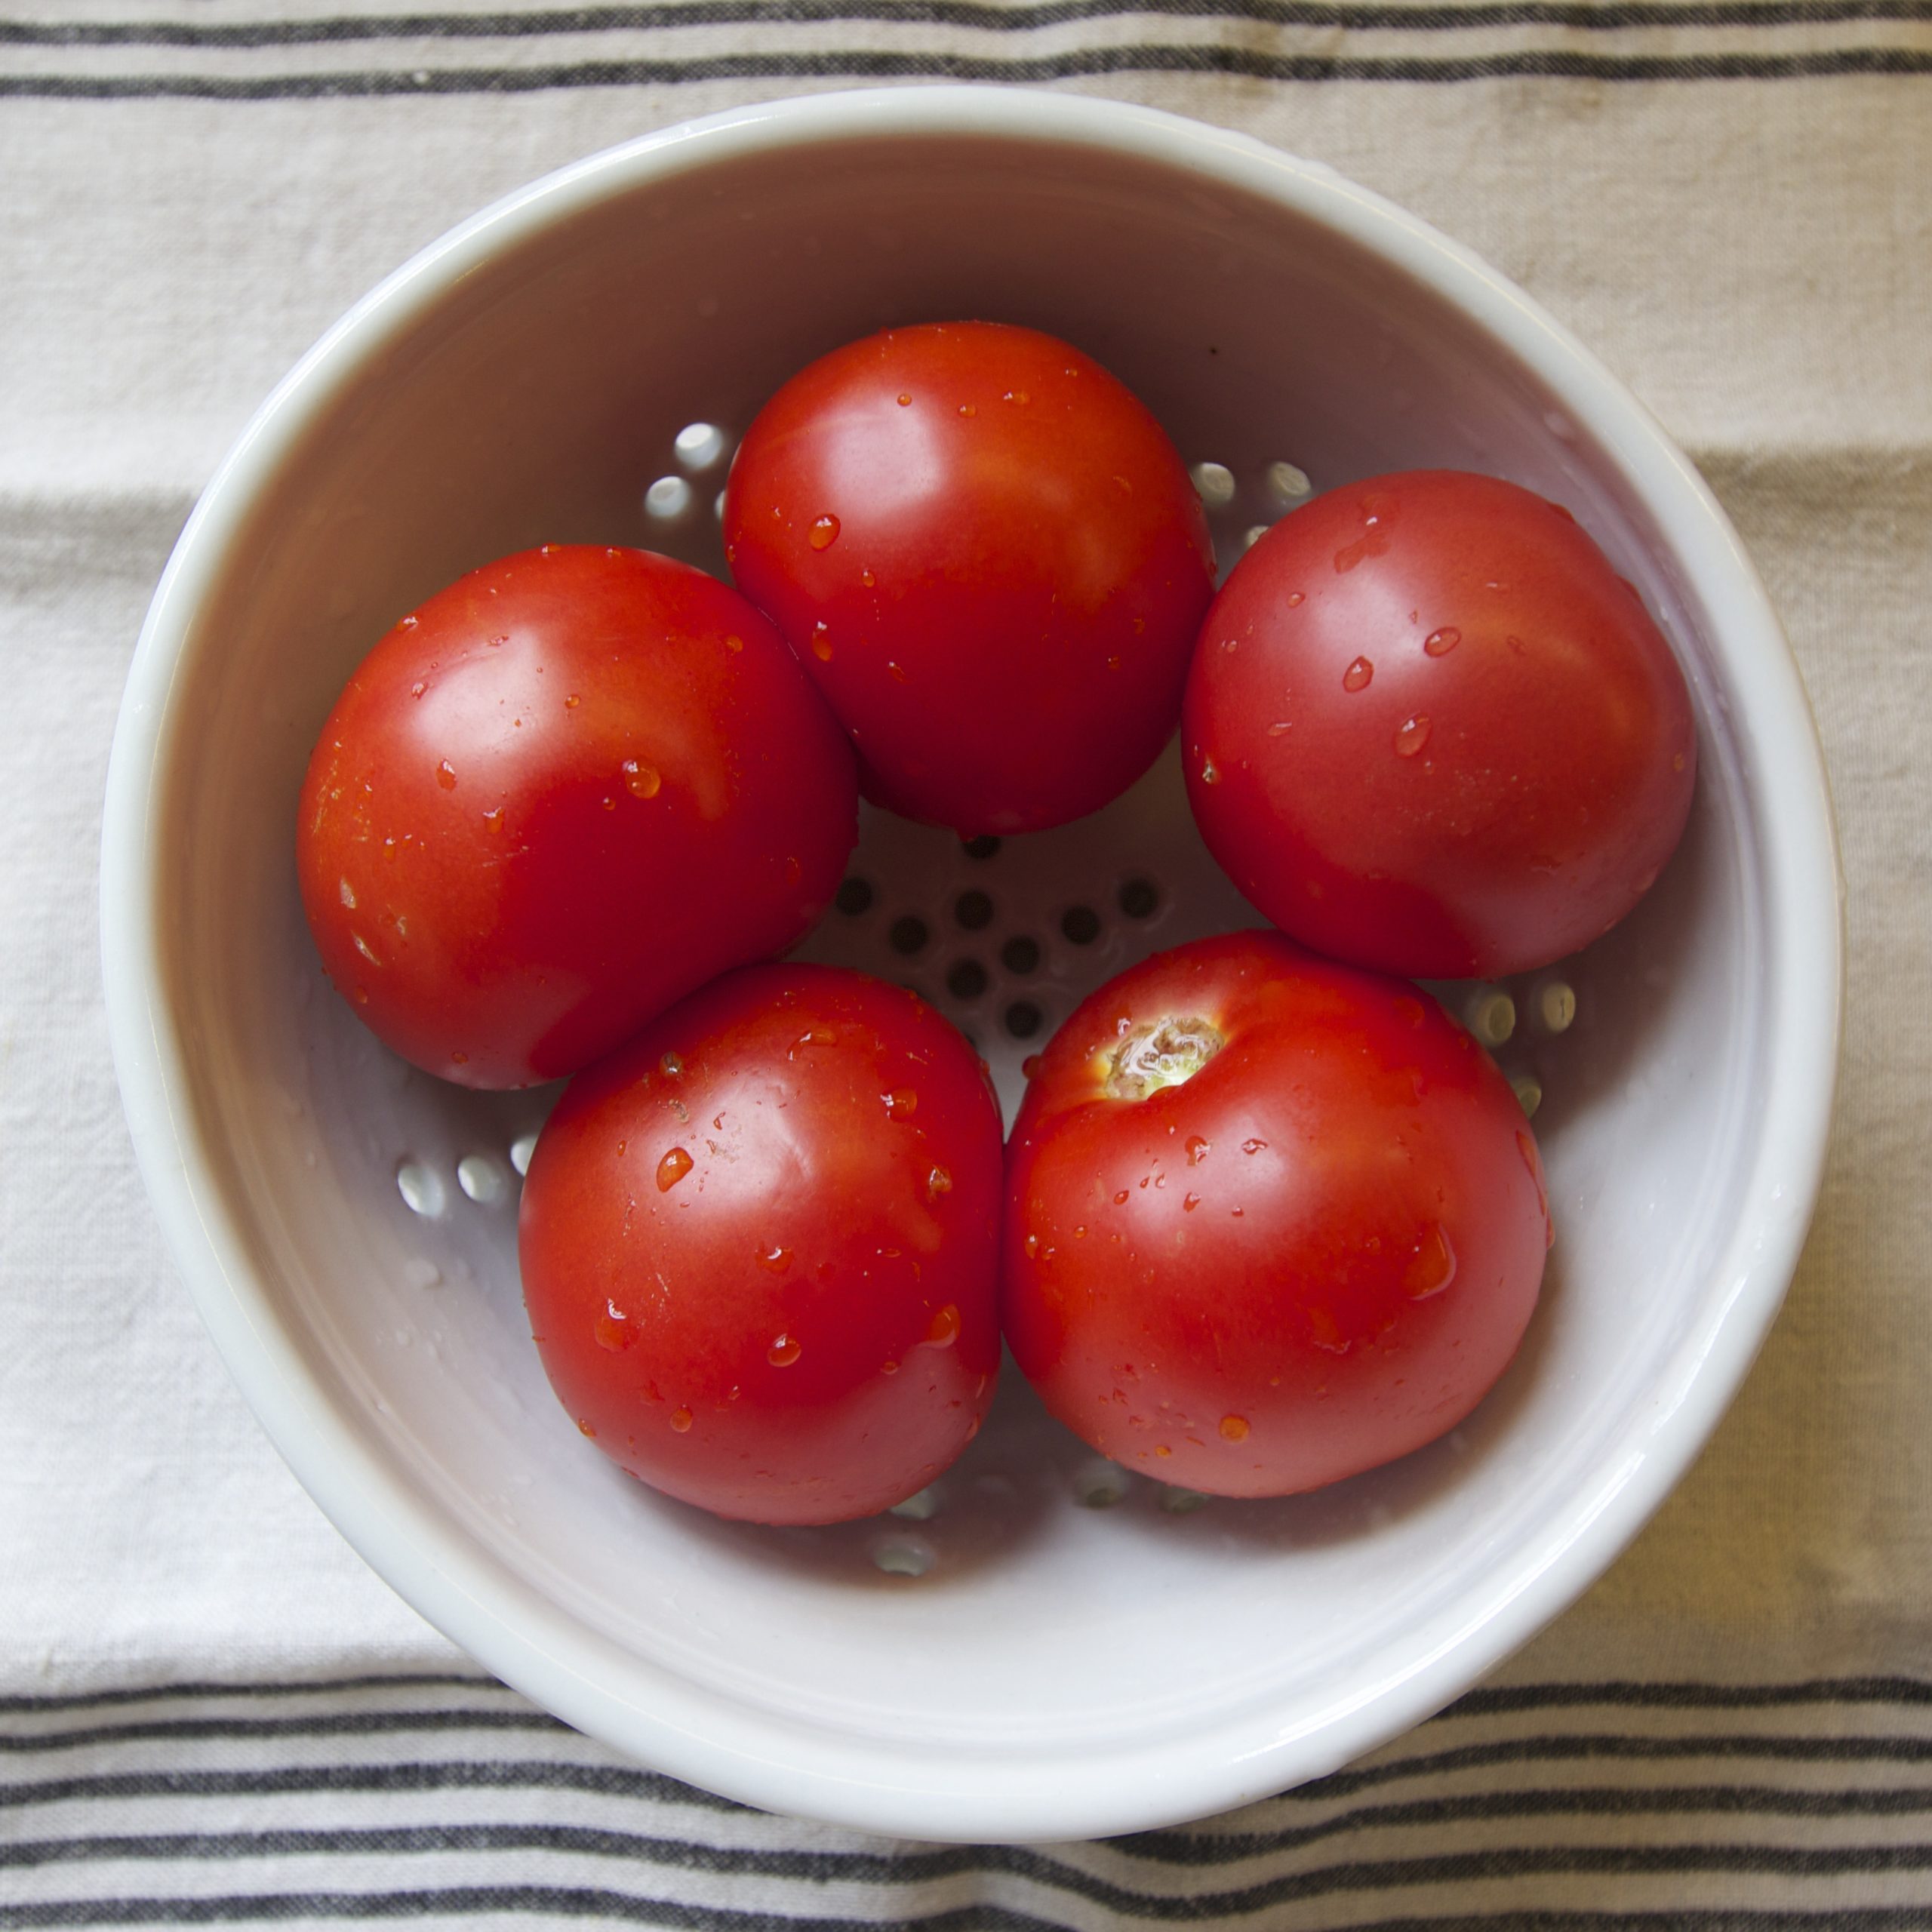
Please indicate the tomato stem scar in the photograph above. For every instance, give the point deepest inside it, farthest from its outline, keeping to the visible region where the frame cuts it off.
(1160, 1053)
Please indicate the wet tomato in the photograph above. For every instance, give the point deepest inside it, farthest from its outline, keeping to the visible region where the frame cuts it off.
(568, 789)
(759, 1246)
(1270, 1221)
(989, 557)
(1429, 730)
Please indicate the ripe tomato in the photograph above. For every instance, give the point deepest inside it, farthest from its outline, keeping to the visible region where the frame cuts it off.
(1270, 1221)
(571, 787)
(759, 1246)
(1429, 730)
(988, 555)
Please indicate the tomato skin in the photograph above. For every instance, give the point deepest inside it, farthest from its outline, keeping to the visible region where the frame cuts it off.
(990, 558)
(570, 788)
(1500, 785)
(800, 1325)
(1314, 1256)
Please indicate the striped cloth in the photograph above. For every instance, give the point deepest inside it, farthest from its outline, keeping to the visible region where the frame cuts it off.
(446, 1798)
(211, 1712)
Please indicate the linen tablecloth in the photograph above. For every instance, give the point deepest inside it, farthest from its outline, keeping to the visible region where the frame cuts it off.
(210, 1711)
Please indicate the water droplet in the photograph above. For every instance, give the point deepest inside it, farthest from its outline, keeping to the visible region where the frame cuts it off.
(823, 533)
(868, 579)
(459, 1059)
(1440, 643)
(1231, 644)
(493, 818)
(904, 401)
(362, 995)
(584, 1428)
(1411, 735)
(1189, 1202)
(641, 780)
(783, 1352)
(902, 1102)
(1234, 1429)
(417, 689)
(943, 1329)
(938, 1182)
(681, 1420)
(571, 702)
(446, 775)
(1356, 677)
(1032, 1244)
(967, 409)
(615, 1330)
(1280, 730)
(822, 642)
(1431, 1266)
(777, 1258)
(1197, 1149)
(1209, 772)
(670, 1066)
(672, 1169)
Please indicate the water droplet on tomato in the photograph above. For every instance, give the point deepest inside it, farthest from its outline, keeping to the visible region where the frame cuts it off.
(823, 533)
(614, 1329)
(1411, 735)
(967, 409)
(417, 689)
(1280, 730)
(777, 1258)
(1253, 1146)
(641, 780)
(1197, 1149)
(672, 1169)
(938, 1182)
(670, 1066)
(446, 775)
(784, 1352)
(1032, 1244)
(1295, 600)
(822, 642)
(1189, 1202)
(1356, 677)
(1209, 772)
(1440, 643)
(1431, 1266)
(943, 1329)
(1030, 1066)
(901, 1103)
(681, 1420)
(1234, 1429)
(904, 401)
(867, 579)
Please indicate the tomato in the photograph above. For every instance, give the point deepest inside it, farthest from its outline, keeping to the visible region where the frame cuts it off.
(1270, 1221)
(759, 1246)
(988, 556)
(1428, 729)
(571, 787)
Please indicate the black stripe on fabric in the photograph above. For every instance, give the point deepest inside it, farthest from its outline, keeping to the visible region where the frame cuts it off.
(1085, 63)
(563, 1902)
(1437, 1869)
(331, 1724)
(622, 1780)
(1613, 16)
(326, 1687)
(1667, 1694)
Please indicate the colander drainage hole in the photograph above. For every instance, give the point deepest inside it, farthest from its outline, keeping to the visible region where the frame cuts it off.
(699, 446)
(1023, 1019)
(903, 1556)
(909, 935)
(1020, 955)
(667, 499)
(1180, 1502)
(1140, 899)
(967, 979)
(974, 910)
(482, 1179)
(422, 1188)
(983, 847)
(853, 897)
(1100, 1484)
(1081, 923)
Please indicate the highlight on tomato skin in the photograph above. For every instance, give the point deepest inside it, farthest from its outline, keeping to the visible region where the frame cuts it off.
(1428, 729)
(563, 792)
(1270, 1221)
(759, 1246)
(989, 558)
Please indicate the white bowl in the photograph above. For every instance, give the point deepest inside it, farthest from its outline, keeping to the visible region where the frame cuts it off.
(1059, 1670)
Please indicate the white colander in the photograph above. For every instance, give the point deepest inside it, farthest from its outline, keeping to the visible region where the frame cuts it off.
(1041, 1646)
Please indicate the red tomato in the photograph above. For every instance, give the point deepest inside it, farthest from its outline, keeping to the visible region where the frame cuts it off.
(988, 555)
(1429, 730)
(759, 1246)
(1270, 1221)
(571, 787)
